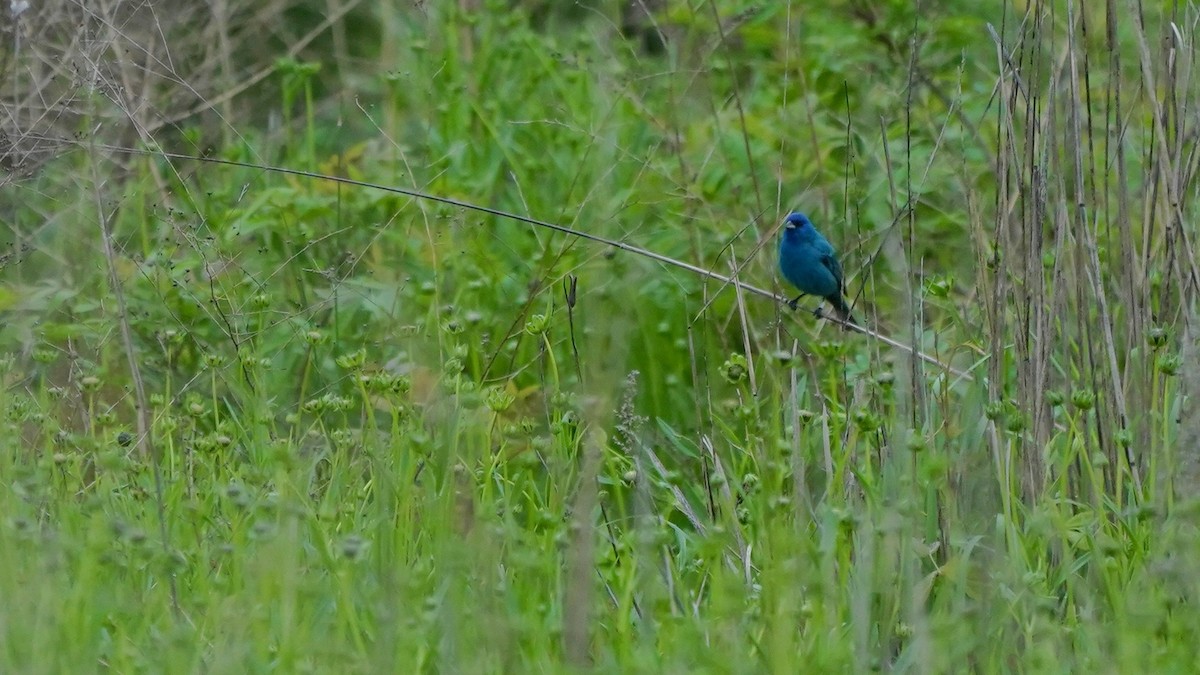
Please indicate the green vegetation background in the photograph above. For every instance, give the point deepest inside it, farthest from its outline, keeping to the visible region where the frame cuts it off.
(381, 434)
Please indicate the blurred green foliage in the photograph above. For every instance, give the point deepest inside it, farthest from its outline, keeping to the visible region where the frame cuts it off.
(376, 417)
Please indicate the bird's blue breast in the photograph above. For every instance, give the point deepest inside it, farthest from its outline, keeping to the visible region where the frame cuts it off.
(801, 263)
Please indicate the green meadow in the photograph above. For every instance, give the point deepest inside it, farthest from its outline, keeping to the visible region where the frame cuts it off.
(259, 416)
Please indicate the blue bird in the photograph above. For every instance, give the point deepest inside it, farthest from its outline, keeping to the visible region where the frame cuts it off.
(808, 261)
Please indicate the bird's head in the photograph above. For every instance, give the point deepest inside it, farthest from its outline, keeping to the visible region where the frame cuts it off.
(798, 227)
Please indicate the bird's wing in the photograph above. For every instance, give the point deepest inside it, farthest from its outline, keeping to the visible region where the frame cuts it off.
(831, 263)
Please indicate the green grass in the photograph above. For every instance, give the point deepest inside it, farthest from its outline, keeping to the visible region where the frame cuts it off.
(257, 422)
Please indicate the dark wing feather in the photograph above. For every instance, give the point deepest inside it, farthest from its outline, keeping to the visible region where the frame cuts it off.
(835, 268)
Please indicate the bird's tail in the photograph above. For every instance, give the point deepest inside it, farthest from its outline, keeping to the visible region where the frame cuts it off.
(843, 310)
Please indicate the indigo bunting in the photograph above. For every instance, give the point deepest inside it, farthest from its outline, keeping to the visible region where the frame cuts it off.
(809, 262)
